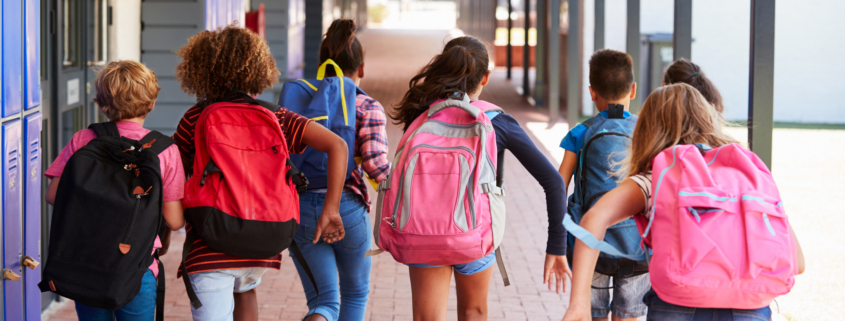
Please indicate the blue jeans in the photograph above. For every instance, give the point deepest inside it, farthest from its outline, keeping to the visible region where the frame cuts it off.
(340, 269)
(141, 308)
(665, 311)
(627, 299)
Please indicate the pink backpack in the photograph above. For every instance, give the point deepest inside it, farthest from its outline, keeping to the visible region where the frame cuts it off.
(718, 231)
(441, 204)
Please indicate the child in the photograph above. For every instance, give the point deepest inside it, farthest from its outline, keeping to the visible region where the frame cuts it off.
(689, 73)
(691, 120)
(213, 64)
(342, 267)
(590, 152)
(463, 67)
(126, 93)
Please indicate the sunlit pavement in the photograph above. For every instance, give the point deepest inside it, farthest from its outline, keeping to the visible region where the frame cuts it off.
(805, 167)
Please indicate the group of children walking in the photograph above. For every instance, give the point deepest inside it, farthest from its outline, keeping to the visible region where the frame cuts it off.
(248, 179)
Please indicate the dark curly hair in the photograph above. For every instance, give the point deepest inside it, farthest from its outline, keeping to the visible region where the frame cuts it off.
(231, 58)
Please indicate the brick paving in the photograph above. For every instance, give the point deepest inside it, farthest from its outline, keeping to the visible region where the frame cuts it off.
(392, 59)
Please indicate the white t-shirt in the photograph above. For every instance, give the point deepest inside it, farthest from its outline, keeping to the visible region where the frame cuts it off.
(644, 182)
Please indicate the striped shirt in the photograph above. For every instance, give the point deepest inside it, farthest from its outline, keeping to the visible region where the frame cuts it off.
(644, 182)
(370, 146)
(202, 258)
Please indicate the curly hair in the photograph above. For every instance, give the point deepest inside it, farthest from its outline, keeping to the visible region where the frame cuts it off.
(230, 58)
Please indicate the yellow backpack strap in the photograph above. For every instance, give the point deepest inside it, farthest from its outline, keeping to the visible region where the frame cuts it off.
(308, 83)
(321, 73)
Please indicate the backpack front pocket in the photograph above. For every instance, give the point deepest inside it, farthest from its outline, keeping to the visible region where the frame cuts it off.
(770, 250)
(441, 176)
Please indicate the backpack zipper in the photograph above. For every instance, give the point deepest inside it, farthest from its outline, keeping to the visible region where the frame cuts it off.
(132, 218)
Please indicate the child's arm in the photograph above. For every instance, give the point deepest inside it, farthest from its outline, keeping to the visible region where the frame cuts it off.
(51, 190)
(799, 253)
(614, 207)
(173, 214)
(567, 167)
(318, 137)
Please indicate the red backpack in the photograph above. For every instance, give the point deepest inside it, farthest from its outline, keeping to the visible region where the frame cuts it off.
(242, 198)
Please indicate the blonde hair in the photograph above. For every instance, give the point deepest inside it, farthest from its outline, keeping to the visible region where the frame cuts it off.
(126, 89)
(672, 115)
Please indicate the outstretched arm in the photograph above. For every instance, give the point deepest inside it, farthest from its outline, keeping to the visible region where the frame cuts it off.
(567, 167)
(330, 226)
(512, 137)
(616, 206)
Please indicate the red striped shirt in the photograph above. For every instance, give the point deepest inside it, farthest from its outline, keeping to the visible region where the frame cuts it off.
(202, 258)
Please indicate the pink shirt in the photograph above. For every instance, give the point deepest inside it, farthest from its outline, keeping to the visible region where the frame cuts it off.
(172, 173)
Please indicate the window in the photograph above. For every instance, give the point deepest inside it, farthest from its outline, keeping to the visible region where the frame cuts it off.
(72, 41)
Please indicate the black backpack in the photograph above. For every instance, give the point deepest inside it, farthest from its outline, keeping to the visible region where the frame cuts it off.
(106, 217)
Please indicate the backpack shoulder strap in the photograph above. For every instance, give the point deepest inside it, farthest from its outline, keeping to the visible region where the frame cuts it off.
(156, 142)
(237, 94)
(105, 129)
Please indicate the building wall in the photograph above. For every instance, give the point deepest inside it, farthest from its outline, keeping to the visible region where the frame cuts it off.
(125, 31)
(808, 73)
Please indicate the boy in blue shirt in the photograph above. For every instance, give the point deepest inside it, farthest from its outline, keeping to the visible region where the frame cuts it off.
(612, 88)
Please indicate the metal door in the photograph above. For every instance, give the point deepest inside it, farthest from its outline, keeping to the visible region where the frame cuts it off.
(48, 20)
(11, 193)
(32, 65)
(81, 47)
(12, 78)
(31, 175)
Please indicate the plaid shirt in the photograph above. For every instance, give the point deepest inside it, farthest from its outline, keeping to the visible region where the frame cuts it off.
(370, 146)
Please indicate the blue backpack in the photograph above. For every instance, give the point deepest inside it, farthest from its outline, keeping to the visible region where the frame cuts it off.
(605, 144)
(331, 103)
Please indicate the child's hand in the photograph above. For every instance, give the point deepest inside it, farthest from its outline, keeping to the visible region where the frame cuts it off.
(556, 264)
(330, 227)
(577, 314)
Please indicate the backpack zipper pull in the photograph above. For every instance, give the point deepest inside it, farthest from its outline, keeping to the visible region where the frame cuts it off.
(275, 151)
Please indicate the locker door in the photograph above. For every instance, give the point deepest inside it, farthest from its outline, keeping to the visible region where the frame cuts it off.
(12, 77)
(32, 79)
(11, 190)
(31, 158)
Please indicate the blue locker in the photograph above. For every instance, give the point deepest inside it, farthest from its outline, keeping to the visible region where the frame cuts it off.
(32, 77)
(12, 289)
(12, 57)
(31, 157)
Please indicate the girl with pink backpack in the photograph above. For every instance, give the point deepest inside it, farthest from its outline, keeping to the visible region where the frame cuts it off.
(719, 244)
(442, 209)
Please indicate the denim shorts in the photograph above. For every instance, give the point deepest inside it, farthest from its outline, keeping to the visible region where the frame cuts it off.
(467, 268)
(659, 310)
(627, 297)
(215, 290)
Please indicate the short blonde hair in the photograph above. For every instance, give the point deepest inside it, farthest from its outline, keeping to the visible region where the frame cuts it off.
(126, 89)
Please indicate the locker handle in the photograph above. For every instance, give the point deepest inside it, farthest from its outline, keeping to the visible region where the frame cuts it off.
(30, 262)
(9, 275)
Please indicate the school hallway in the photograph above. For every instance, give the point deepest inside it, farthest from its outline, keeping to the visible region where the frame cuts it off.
(392, 58)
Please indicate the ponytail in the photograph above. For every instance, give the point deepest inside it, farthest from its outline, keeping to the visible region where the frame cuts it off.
(684, 71)
(459, 68)
(341, 45)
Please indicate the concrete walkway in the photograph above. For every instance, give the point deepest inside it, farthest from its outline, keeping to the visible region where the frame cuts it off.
(393, 57)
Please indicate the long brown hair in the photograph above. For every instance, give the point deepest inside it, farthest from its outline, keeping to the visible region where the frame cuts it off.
(689, 73)
(459, 68)
(215, 62)
(672, 115)
(341, 45)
